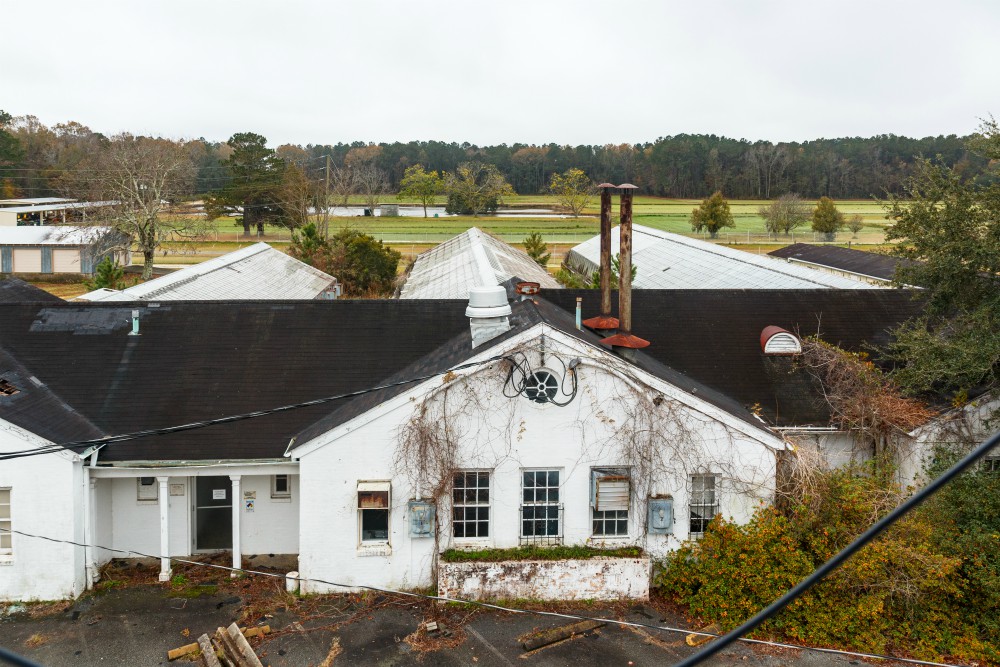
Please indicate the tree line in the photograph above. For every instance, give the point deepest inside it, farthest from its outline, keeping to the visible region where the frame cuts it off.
(35, 158)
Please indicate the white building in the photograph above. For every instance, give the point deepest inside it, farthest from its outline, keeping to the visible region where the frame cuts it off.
(542, 434)
(471, 259)
(257, 272)
(671, 261)
(38, 211)
(57, 249)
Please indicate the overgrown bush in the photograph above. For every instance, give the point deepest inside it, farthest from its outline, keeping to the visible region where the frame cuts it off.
(363, 264)
(903, 593)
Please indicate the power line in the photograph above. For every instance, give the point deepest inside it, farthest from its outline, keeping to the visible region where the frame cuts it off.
(123, 437)
(833, 563)
(478, 603)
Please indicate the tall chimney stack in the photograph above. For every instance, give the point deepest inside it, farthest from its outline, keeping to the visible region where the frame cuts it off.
(624, 338)
(604, 321)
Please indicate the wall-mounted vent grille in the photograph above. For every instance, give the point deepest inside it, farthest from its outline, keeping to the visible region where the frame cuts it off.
(775, 340)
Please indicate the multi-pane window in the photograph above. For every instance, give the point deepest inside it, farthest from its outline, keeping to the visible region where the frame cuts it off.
(610, 494)
(704, 502)
(281, 487)
(6, 538)
(541, 513)
(373, 511)
(991, 464)
(470, 503)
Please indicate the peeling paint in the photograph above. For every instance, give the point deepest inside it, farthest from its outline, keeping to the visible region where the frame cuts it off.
(588, 579)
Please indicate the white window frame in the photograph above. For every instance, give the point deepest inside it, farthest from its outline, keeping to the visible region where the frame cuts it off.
(603, 516)
(557, 504)
(696, 500)
(374, 487)
(281, 495)
(142, 494)
(991, 463)
(6, 524)
(474, 505)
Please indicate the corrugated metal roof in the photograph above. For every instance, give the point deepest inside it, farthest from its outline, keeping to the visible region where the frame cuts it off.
(51, 235)
(56, 207)
(255, 273)
(672, 261)
(471, 259)
(32, 201)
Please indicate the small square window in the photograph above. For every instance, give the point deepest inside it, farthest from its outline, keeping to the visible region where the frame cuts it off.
(281, 486)
(147, 489)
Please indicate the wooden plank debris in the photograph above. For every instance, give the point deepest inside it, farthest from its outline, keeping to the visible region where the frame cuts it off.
(230, 644)
(558, 634)
(698, 640)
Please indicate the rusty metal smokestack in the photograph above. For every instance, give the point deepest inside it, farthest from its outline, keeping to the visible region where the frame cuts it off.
(624, 338)
(604, 321)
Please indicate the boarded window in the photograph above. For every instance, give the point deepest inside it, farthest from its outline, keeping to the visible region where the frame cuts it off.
(610, 498)
(147, 489)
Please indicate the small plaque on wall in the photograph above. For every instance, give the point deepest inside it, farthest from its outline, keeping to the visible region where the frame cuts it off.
(177, 489)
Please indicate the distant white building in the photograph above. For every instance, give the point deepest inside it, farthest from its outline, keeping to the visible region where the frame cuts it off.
(671, 261)
(43, 211)
(257, 272)
(56, 249)
(471, 259)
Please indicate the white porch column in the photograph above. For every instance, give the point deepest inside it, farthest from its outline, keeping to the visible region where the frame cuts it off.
(164, 497)
(90, 529)
(237, 505)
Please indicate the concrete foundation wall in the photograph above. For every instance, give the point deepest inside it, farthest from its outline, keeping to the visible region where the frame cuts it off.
(590, 579)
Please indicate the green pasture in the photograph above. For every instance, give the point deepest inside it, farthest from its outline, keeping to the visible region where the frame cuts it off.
(671, 215)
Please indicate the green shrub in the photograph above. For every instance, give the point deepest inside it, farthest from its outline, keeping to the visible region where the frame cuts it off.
(902, 593)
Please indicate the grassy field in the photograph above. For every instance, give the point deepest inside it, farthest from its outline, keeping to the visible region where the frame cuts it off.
(670, 215)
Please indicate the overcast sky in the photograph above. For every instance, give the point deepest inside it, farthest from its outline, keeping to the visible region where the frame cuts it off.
(535, 71)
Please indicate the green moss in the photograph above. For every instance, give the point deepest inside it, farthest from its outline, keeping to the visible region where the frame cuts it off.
(538, 553)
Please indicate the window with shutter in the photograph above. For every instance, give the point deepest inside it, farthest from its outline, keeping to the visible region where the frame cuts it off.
(610, 499)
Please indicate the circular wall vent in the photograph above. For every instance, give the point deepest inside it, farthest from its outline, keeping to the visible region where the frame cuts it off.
(541, 387)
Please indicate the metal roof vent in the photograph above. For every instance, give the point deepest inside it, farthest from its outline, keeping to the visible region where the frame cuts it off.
(488, 313)
(778, 341)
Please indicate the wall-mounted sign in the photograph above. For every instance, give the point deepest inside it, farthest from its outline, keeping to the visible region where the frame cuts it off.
(249, 495)
(248, 505)
(218, 494)
(177, 489)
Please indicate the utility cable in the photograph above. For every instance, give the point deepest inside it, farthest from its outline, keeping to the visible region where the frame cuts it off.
(485, 605)
(114, 439)
(833, 563)
(15, 659)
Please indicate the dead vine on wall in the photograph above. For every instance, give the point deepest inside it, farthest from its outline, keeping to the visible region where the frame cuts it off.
(862, 399)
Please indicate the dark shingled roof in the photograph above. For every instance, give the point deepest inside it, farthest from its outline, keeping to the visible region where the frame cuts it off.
(858, 262)
(525, 314)
(34, 407)
(15, 290)
(200, 360)
(713, 336)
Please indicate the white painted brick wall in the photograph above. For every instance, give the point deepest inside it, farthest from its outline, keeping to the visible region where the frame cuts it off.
(46, 498)
(589, 579)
